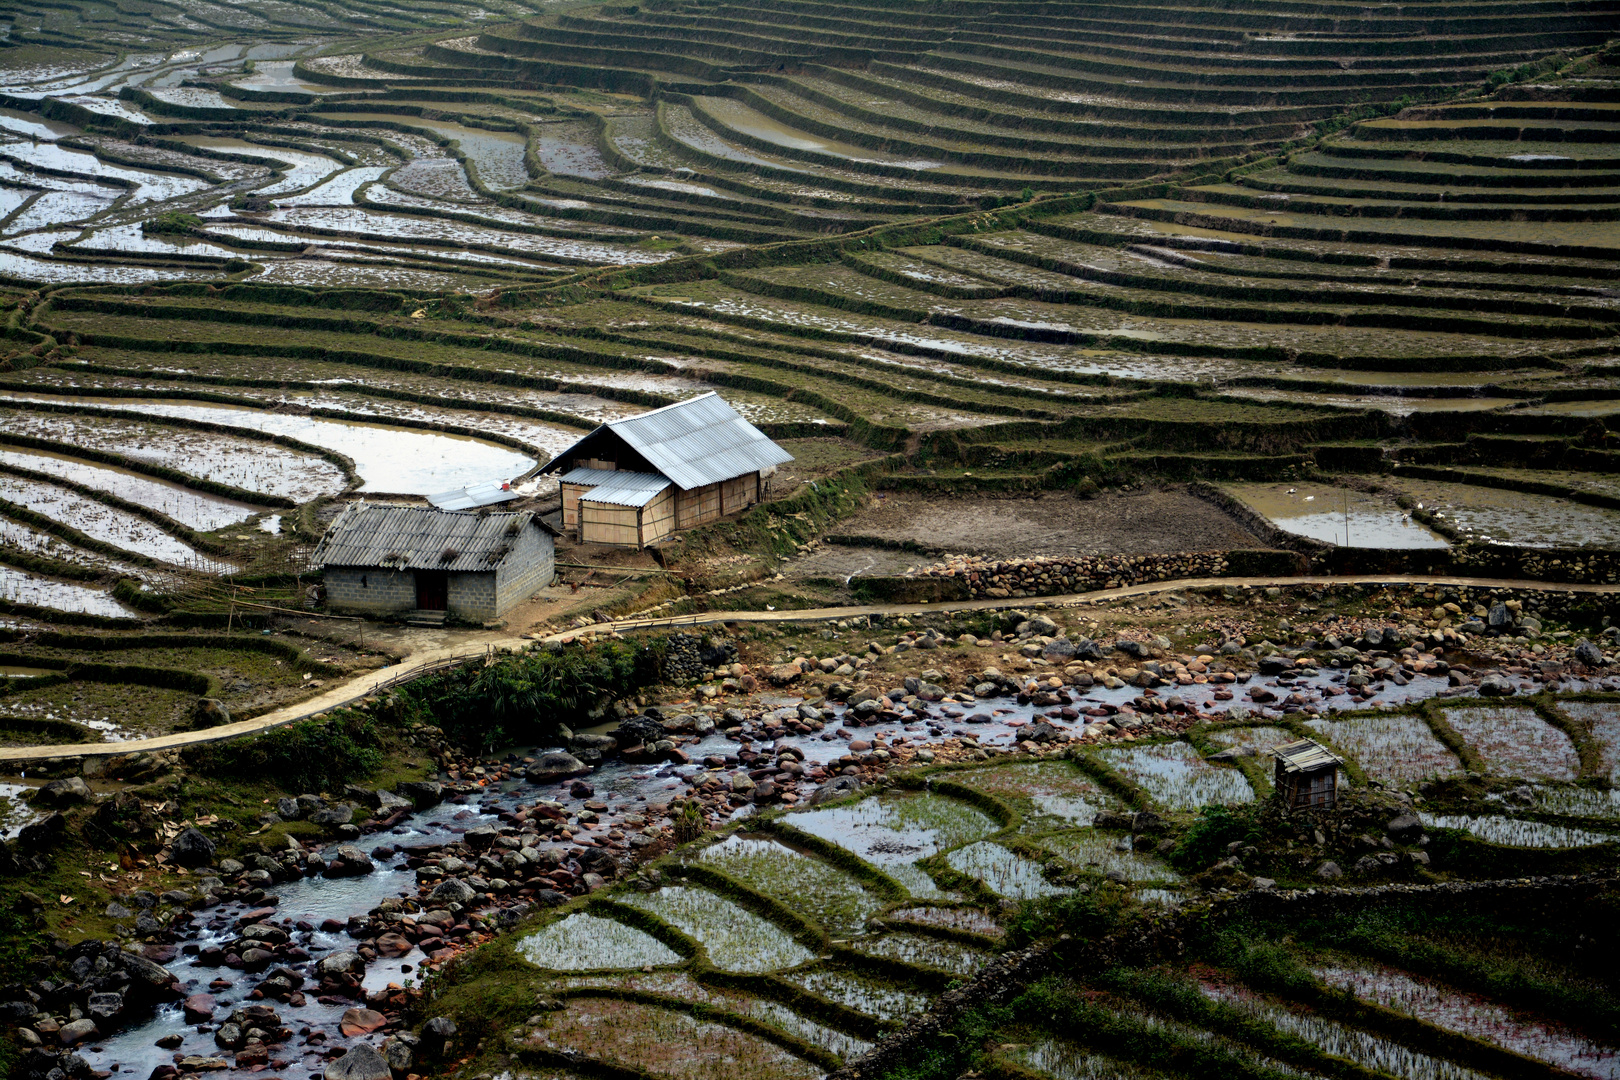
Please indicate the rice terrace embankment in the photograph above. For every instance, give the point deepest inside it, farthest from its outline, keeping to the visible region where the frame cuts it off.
(911, 539)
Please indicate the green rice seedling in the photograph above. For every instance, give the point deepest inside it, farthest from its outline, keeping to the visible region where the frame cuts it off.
(1391, 749)
(1177, 777)
(737, 940)
(584, 942)
(1514, 741)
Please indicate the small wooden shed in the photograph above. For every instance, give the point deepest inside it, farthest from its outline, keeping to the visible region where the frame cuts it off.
(1307, 774)
(632, 482)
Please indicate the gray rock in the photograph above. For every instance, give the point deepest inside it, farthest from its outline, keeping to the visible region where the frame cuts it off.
(1038, 626)
(1588, 653)
(1329, 871)
(287, 809)
(339, 814)
(1497, 686)
(148, 980)
(191, 849)
(1499, 618)
(341, 963)
(1059, 650)
(389, 803)
(638, 731)
(1471, 627)
(453, 891)
(362, 1062)
(208, 713)
(423, 793)
(602, 744)
(69, 792)
(1404, 828)
(76, 1032)
(398, 1054)
(836, 788)
(437, 1036)
(557, 765)
(1131, 648)
(104, 1008)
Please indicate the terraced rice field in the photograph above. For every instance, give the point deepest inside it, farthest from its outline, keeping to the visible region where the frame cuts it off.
(256, 256)
(1210, 243)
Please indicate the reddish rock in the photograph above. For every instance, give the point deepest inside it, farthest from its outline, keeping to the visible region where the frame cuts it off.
(393, 945)
(199, 1008)
(361, 1022)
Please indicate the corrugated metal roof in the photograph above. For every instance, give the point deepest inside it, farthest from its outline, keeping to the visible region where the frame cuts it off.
(696, 442)
(617, 488)
(421, 538)
(473, 495)
(1305, 755)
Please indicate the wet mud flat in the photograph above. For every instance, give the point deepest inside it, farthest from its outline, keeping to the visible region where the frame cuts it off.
(1134, 523)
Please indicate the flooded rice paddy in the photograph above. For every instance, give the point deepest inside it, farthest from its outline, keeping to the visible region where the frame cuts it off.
(20, 587)
(191, 508)
(110, 525)
(390, 459)
(1514, 741)
(248, 464)
(1336, 515)
(1176, 776)
(1476, 1016)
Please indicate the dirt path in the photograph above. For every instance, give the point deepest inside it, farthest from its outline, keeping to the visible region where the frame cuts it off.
(428, 660)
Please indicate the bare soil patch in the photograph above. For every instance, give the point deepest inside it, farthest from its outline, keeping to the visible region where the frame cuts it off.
(1135, 523)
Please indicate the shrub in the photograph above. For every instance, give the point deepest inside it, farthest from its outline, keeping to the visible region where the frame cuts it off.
(1206, 842)
(172, 222)
(526, 697)
(314, 755)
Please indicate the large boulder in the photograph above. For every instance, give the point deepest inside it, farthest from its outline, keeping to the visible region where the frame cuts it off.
(44, 833)
(641, 730)
(437, 1036)
(70, 792)
(362, 1062)
(339, 814)
(423, 793)
(1588, 653)
(453, 891)
(341, 963)
(1405, 828)
(191, 849)
(148, 980)
(556, 765)
(209, 713)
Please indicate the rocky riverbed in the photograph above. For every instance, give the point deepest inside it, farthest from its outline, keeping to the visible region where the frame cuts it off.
(303, 960)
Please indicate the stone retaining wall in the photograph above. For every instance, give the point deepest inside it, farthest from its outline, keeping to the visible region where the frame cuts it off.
(967, 577)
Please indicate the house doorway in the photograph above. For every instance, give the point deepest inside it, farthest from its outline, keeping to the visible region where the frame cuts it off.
(432, 590)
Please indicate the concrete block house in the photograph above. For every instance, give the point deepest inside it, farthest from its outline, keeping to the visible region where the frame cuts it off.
(633, 482)
(382, 559)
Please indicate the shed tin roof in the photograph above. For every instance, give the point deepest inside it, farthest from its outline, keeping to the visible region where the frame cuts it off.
(696, 442)
(617, 488)
(422, 538)
(1305, 755)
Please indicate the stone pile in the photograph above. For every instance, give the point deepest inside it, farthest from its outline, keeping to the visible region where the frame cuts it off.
(1047, 576)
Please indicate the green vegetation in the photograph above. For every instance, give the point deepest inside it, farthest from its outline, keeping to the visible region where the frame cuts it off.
(529, 697)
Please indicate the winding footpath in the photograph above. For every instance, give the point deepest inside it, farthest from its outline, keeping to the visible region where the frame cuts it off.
(419, 664)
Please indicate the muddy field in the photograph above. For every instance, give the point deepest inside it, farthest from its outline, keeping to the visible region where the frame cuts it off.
(1135, 523)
